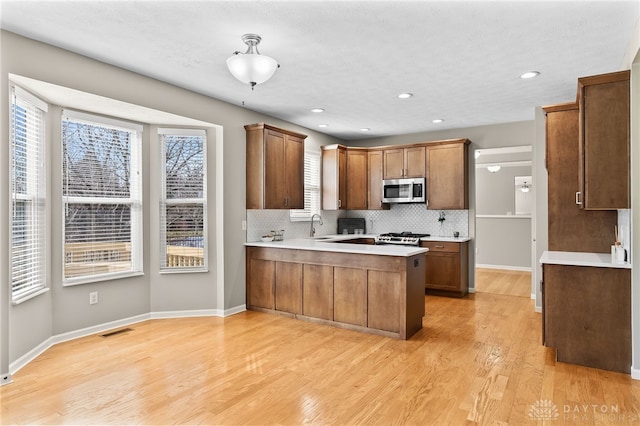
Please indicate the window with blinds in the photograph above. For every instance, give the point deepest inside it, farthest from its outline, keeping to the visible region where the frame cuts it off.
(28, 195)
(102, 203)
(183, 206)
(311, 187)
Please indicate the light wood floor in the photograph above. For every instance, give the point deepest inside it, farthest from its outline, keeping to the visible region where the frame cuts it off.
(502, 281)
(477, 360)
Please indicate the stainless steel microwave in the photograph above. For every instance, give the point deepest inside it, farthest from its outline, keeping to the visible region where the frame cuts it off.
(404, 190)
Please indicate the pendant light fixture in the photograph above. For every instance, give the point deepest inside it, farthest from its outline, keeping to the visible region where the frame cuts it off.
(251, 67)
(525, 188)
(493, 168)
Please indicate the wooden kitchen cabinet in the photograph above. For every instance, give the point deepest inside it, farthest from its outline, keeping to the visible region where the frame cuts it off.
(275, 168)
(374, 183)
(570, 227)
(446, 269)
(408, 162)
(334, 177)
(288, 287)
(371, 293)
(586, 314)
(448, 175)
(604, 136)
(357, 178)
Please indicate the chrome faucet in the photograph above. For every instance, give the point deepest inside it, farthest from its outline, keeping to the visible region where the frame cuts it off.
(312, 231)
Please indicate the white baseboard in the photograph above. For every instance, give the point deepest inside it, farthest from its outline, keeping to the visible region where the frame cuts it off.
(25, 359)
(635, 373)
(538, 309)
(506, 267)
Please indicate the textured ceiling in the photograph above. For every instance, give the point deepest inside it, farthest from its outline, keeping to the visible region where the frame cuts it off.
(461, 60)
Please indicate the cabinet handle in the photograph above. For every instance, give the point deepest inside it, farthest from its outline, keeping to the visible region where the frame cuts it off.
(439, 246)
(578, 200)
(339, 203)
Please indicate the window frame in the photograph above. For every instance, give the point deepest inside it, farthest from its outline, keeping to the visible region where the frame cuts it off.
(36, 193)
(165, 201)
(134, 200)
(312, 184)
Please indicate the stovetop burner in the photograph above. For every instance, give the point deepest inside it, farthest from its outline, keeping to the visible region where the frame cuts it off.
(400, 238)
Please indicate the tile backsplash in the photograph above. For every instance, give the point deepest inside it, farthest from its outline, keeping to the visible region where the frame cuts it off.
(400, 217)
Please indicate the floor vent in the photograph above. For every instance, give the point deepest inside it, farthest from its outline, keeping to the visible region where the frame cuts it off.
(113, 333)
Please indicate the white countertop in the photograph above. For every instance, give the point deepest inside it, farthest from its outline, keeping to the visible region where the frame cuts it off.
(326, 243)
(571, 258)
(446, 239)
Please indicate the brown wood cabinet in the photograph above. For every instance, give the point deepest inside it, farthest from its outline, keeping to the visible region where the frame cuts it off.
(357, 178)
(446, 269)
(334, 177)
(448, 175)
(604, 167)
(405, 162)
(374, 183)
(364, 292)
(586, 315)
(570, 227)
(275, 168)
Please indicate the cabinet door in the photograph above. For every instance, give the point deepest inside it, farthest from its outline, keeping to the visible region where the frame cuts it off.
(334, 178)
(383, 300)
(442, 271)
(350, 296)
(294, 172)
(570, 227)
(605, 146)
(317, 293)
(275, 182)
(393, 163)
(261, 289)
(289, 287)
(414, 162)
(374, 184)
(356, 182)
(447, 177)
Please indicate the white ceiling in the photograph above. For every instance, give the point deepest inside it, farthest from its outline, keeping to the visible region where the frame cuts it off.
(461, 60)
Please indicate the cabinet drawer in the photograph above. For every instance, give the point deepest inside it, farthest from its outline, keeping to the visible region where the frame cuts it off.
(441, 246)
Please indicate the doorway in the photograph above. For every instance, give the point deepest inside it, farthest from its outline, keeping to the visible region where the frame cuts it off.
(504, 204)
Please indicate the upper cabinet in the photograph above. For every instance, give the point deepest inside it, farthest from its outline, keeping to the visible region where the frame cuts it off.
(604, 147)
(406, 162)
(374, 184)
(275, 167)
(334, 177)
(447, 175)
(357, 179)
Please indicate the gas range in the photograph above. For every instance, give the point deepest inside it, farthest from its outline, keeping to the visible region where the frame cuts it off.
(400, 238)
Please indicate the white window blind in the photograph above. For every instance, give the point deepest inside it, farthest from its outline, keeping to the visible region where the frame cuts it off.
(28, 192)
(183, 206)
(102, 202)
(311, 187)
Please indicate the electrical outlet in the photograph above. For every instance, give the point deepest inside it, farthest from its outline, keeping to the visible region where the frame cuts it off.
(244, 225)
(93, 297)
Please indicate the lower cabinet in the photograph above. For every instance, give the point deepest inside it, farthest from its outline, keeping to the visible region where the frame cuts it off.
(447, 269)
(375, 294)
(586, 315)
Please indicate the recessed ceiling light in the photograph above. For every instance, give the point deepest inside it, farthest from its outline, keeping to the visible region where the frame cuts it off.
(323, 125)
(317, 110)
(365, 129)
(405, 95)
(437, 120)
(530, 74)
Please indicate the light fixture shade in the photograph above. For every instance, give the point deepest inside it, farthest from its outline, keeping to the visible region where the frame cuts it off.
(525, 188)
(251, 67)
(494, 168)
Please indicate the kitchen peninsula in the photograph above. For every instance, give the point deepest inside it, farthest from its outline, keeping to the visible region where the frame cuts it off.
(331, 280)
